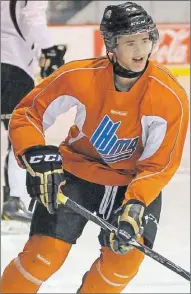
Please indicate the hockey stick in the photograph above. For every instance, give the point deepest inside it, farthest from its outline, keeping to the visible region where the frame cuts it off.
(108, 227)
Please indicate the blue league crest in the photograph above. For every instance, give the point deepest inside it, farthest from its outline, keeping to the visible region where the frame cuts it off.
(108, 145)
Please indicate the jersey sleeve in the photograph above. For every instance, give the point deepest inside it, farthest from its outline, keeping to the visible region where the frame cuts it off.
(39, 109)
(35, 18)
(163, 138)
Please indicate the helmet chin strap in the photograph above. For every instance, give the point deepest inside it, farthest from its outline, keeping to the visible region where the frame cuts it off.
(123, 72)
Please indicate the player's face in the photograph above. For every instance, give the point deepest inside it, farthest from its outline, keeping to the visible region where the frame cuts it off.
(132, 51)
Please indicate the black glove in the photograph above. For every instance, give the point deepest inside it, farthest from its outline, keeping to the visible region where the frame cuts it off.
(45, 175)
(51, 59)
(130, 225)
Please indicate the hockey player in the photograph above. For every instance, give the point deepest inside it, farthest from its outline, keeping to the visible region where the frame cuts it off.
(23, 26)
(124, 147)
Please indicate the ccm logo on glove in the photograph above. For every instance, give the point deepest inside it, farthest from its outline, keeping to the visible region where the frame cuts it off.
(46, 158)
(45, 175)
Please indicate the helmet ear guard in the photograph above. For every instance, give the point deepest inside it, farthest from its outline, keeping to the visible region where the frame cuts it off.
(110, 41)
(154, 36)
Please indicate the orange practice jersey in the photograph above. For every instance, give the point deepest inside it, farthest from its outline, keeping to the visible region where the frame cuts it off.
(118, 138)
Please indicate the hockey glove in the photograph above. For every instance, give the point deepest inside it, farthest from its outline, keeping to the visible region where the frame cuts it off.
(45, 175)
(51, 59)
(130, 224)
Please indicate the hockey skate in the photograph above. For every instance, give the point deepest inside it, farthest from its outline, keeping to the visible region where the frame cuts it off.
(14, 209)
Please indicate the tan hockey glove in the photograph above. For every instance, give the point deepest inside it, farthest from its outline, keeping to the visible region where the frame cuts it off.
(129, 226)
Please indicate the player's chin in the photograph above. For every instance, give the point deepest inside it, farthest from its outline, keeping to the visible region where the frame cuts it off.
(138, 67)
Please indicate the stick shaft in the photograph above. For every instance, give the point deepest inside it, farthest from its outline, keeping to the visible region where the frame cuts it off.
(108, 227)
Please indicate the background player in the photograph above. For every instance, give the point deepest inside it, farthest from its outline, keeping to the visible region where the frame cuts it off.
(23, 28)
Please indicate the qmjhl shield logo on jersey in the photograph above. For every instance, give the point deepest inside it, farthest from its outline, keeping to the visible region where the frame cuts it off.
(108, 145)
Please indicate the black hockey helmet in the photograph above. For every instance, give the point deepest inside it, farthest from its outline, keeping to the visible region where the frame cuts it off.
(126, 19)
